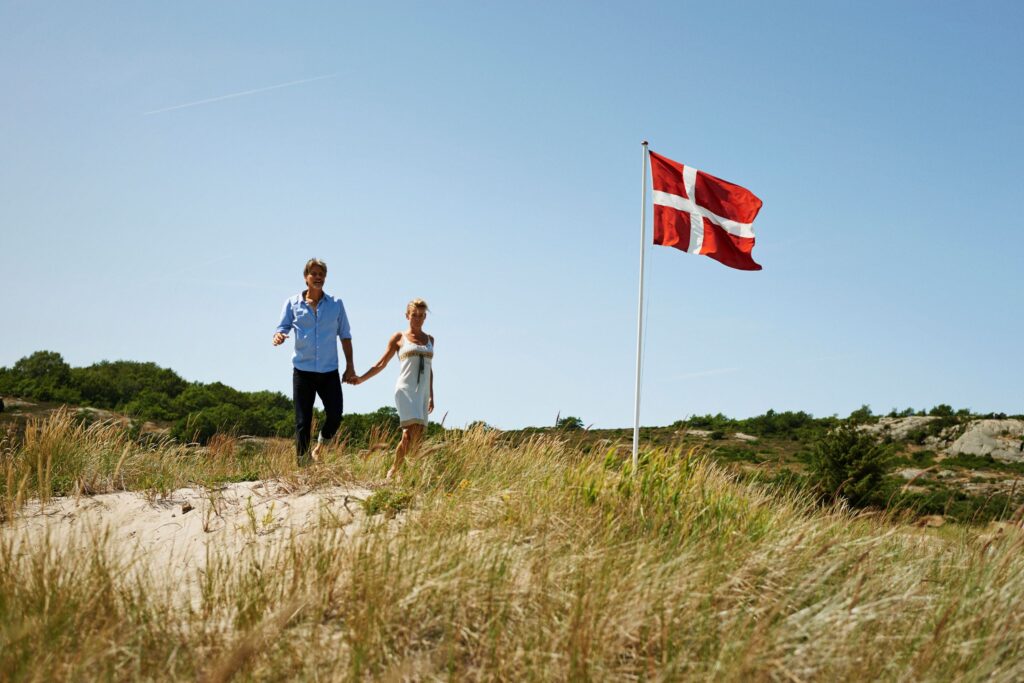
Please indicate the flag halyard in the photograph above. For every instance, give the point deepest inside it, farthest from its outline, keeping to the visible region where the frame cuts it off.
(698, 213)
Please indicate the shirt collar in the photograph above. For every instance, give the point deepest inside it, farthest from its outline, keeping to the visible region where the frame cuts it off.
(302, 296)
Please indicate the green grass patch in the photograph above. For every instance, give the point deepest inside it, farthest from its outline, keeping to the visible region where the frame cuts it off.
(388, 501)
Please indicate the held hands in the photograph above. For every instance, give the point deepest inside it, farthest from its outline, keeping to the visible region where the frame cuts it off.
(350, 376)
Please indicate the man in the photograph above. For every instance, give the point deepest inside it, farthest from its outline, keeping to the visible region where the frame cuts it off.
(318, 319)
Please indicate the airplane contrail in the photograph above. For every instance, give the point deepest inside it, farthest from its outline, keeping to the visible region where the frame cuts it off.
(239, 94)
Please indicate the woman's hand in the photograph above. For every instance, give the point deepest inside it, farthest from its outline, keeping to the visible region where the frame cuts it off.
(430, 406)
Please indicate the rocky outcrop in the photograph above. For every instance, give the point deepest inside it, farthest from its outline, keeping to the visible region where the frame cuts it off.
(898, 428)
(1002, 439)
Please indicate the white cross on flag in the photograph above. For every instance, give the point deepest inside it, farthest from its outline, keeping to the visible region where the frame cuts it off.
(701, 214)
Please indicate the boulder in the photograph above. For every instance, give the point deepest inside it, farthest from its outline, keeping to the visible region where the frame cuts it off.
(1002, 439)
(911, 473)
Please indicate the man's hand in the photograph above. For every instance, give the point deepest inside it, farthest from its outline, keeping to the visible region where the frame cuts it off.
(279, 338)
(349, 375)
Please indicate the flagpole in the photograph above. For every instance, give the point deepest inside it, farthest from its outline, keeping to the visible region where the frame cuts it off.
(640, 306)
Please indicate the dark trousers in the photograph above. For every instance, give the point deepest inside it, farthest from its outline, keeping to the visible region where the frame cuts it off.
(305, 388)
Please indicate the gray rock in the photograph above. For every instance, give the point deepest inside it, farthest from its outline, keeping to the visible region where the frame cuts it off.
(898, 427)
(910, 473)
(1002, 439)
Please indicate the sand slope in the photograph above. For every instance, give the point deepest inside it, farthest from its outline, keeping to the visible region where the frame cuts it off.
(168, 540)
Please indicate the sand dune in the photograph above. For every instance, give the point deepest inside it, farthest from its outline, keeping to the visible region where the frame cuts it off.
(171, 538)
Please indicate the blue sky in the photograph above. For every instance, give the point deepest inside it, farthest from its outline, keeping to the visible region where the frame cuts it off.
(486, 157)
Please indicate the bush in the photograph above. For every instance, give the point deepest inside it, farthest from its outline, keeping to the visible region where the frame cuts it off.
(711, 422)
(569, 423)
(199, 426)
(43, 376)
(906, 412)
(863, 415)
(387, 501)
(850, 464)
(357, 429)
(925, 458)
(115, 384)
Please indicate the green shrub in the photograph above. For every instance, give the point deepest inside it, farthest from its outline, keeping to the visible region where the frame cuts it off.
(863, 415)
(569, 423)
(388, 501)
(850, 464)
(925, 458)
(982, 462)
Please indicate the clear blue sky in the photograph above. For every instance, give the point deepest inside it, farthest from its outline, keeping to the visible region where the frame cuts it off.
(486, 157)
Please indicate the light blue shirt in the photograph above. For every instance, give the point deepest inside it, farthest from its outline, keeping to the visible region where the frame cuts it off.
(315, 331)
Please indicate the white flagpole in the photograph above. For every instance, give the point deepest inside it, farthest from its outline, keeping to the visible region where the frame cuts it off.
(640, 306)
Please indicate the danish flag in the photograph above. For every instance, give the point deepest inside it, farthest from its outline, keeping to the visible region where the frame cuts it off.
(701, 214)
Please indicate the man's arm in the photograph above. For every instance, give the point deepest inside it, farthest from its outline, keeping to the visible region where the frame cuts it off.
(350, 368)
(285, 326)
(345, 334)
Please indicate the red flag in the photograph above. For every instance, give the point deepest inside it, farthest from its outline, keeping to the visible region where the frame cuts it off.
(701, 214)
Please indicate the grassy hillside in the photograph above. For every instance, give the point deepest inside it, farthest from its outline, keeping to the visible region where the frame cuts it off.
(919, 478)
(775, 447)
(538, 558)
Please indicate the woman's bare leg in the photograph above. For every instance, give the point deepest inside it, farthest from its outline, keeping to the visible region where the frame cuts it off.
(410, 440)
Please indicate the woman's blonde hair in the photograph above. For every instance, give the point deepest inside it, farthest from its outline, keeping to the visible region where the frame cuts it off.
(416, 303)
(313, 262)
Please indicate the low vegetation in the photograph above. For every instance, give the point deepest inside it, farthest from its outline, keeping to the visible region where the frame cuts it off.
(518, 559)
(147, 393)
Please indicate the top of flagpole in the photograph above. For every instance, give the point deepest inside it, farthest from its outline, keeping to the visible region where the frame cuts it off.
(644, 143)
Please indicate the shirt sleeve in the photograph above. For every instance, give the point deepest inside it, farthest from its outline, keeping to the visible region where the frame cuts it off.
(344, 331)
(287, 318)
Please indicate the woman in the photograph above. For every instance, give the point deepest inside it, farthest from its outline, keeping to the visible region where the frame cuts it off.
(414, 393)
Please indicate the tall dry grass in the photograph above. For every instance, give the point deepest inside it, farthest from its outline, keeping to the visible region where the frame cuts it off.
(60, 455)
(533, 562)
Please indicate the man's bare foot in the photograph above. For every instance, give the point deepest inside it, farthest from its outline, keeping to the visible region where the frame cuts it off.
(315, 455)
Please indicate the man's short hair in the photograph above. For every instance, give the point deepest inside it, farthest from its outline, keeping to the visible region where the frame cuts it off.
(313, 262)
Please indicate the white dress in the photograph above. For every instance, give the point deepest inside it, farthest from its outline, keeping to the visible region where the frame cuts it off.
(412, 393)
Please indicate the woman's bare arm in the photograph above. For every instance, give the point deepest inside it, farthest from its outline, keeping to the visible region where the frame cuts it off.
(389, 353)
(430, 406)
